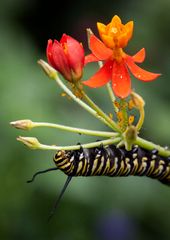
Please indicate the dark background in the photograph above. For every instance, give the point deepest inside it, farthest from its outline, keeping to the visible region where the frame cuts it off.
(92, 208)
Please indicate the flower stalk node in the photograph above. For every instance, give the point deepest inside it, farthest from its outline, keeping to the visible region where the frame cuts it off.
(130, 136)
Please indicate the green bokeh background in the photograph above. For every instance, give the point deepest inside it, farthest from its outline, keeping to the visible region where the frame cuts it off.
(97, 208)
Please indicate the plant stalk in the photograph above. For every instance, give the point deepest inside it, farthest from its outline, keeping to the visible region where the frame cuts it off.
(150, 146)
(75, 130)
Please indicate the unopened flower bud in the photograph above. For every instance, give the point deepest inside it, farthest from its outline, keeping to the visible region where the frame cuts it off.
(67, 57)
(25, 124)
(137, 100)
(30, 142)
(50, 71)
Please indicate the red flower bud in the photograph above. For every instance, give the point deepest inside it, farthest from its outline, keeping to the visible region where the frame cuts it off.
(67, 57)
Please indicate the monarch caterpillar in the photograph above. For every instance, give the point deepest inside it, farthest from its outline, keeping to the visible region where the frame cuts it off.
(110, 161)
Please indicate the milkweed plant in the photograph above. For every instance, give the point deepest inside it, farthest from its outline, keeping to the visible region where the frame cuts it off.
(67, 57)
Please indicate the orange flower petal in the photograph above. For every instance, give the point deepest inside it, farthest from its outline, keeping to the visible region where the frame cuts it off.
(138, 72)
(101, 77)
(101, 28)
(91, 58)
(139, 57)
(108, 40)
(116, 20)
(122, 40)
(99, 49)
(129, 29)
(121, 83)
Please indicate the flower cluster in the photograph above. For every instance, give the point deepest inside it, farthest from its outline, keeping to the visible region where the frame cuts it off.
(67, 57)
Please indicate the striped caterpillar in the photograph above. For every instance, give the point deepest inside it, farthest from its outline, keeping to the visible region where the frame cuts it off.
(110, 161)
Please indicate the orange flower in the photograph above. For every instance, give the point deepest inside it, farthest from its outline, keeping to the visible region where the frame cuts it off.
(117, 63)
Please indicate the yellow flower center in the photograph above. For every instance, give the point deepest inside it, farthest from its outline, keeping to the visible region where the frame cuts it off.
(116, 35)
(118, 54)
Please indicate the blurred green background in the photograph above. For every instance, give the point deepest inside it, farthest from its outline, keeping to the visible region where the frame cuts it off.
(98, 208)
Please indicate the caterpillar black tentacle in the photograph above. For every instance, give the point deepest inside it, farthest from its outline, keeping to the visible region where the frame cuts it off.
(59, 198)
(41, 172)
(112, 161)
(62, 191)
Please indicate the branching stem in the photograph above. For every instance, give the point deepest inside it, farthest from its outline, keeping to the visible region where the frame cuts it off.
(76, 147)
(81, 103)
(100, 112)
(75, 130)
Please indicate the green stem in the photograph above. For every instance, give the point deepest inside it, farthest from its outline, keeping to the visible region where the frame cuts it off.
(52, 73)
(80, 102)
(150, 146)
(76, 147)
(75, 130)
(112, 124)
(141, 119)
(112, 96)
(110, 91)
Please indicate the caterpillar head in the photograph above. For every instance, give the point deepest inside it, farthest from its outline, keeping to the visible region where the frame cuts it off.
(64, 160)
